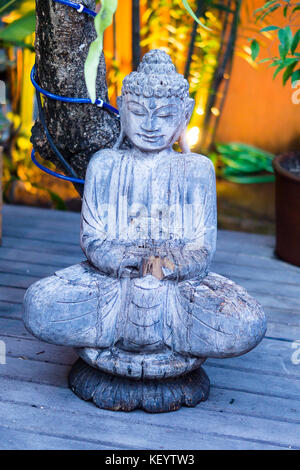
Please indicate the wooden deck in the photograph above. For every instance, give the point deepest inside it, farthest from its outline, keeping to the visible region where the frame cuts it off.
(254, 401)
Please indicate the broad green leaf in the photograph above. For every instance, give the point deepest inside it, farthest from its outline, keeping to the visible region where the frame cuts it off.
(190, 11)
(102, 21)
(285, 37)
(296, 76)
(19, 29)
(254, 49)
(269, 28)
(295, 41)
(288, 71)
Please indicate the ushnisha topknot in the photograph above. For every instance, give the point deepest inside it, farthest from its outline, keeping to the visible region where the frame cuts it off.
(156, 76)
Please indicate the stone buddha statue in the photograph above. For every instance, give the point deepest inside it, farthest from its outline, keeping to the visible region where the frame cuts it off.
(144, 311)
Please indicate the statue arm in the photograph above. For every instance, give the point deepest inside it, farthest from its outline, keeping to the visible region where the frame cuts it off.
(109, 256)
(191, 260)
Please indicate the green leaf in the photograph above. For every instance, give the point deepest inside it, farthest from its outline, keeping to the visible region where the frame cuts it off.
(250, 179)
(18, 30)
(285, 37)
(254, 49)
(102, 21)
(190, 11)
(295, 41)
(266, 5)
(7, 5)
(269, 28)
(288, 71)
(262, 61)
(296, 76)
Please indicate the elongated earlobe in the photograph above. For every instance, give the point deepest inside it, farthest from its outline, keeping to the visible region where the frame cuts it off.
(119, 140)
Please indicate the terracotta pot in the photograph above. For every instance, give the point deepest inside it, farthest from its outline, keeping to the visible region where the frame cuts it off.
(287, 172)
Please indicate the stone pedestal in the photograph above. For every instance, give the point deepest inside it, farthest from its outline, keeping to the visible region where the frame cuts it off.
(117, 393)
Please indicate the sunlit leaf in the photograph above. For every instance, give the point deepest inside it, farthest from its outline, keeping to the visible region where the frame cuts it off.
(269, 28)
(102, 21)
(295, 41)
(18, 30)
(288, 71)
(296, 76)
(191, 12)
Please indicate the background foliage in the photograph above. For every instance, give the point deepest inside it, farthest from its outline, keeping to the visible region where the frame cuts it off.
(203, 52)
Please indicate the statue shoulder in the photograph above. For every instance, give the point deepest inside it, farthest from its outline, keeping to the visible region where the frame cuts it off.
(103, 158)
(198, 163)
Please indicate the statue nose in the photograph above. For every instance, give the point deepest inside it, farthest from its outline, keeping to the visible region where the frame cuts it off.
(149, 125)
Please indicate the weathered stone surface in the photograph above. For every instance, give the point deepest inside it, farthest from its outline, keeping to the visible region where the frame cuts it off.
(144, 306)
(121, 394)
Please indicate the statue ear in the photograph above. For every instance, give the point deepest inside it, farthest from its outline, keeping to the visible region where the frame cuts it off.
(119, 102)
(120, 139)
(189, 107)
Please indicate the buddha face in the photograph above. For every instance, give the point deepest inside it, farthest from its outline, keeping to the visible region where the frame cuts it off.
(152, 124)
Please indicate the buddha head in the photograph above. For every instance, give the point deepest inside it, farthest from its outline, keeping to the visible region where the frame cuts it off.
(155, 107)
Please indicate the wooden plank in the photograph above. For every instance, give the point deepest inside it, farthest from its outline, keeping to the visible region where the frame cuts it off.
(12, 294)
(12, 439)
(184, 425)
(227, 401)
(14, 328)
(259, 274)
(270, 357)
(38, 351)
(32, 269)
(42, 246)
(10, 310)
(283, 382)
(37, 212)
(17, 280)
(44, 258)
(120, 432)
(282, 331)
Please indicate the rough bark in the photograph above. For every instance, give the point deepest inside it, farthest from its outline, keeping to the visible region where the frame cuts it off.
(62, 40)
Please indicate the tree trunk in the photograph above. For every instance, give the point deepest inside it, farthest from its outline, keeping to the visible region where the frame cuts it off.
(62, 41)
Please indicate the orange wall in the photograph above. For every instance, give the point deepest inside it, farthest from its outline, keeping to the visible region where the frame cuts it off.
(259, 110)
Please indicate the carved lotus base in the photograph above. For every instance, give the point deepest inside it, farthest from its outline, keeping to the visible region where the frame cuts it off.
(122, 394)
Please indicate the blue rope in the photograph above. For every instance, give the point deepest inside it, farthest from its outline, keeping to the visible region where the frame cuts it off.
(98, 102)
(53, 173)
(78, 6)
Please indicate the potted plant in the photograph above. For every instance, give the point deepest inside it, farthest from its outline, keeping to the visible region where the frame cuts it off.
(287, 164)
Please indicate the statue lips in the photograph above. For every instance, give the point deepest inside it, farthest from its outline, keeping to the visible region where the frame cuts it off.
(150, 138)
